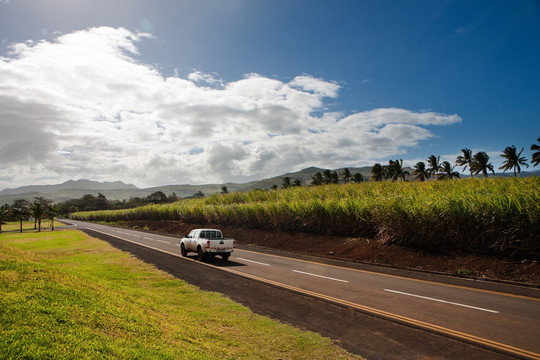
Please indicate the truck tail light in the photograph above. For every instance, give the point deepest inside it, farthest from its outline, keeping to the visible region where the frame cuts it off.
(234, 244)
(208, 244)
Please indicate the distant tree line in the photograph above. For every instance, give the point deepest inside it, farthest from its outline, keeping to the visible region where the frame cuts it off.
(477, 164)
(43, 209)
(22, 210)
(432, 169)
(91, 202)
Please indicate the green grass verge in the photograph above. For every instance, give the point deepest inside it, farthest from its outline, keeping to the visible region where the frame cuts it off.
(66, 295)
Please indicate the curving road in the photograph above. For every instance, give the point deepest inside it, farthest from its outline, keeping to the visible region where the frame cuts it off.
(502, 318)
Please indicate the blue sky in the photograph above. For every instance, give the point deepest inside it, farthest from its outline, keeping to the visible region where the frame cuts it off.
(171, 92)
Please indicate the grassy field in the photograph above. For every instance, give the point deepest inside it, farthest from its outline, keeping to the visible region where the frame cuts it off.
(65, 295)
(497, 215)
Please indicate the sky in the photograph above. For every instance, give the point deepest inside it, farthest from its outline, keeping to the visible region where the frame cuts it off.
(212, 91)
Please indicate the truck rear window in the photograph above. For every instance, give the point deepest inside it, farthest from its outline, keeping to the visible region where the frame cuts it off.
(211, 234)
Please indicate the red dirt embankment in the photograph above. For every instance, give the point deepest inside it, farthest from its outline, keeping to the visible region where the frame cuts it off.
(368, 251)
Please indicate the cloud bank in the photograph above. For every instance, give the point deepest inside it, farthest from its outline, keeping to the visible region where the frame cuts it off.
(84, 106)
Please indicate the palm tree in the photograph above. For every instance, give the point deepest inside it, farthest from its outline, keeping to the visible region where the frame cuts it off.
(447, 172)
(434, 166)
(377, 172)
(465, 160)
(4, 211)
(536, 156)
(38, 212)
(420, 171)
(51, 212)
(21, 214)
(481, 164)
(513, 160)
(390, 170)
(396, 171)
(346, 175)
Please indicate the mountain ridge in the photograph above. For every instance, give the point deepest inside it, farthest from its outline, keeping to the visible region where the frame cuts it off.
(81, 184)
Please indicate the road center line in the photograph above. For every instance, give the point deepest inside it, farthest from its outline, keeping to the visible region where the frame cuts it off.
(147, 238)
(442, 301)
(163, 241)
(324, 277)
(251, 261)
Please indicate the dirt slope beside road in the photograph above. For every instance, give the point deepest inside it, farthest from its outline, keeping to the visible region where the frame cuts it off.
(369, 251)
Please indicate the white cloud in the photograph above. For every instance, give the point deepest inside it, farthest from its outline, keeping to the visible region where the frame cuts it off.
(318, 86)
(83, 106)
(401, 116)
(202, 78)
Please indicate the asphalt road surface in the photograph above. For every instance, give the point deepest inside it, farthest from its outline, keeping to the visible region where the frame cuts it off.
(379, 313)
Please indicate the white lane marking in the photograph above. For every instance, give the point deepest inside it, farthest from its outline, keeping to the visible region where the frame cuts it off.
(255, 262)
(442, 301)
(135, 235)
(324, 277)
(126, 233)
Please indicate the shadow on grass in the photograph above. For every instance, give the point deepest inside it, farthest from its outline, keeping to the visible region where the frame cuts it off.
(28, 227)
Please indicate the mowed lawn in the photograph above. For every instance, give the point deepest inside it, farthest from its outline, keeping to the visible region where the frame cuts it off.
(66, 295)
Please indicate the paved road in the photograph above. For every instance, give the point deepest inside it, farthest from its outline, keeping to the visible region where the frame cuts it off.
(506, 322)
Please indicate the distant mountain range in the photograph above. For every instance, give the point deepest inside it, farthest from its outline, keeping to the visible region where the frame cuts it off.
(70, 189)
(119, 190)
(71, 185)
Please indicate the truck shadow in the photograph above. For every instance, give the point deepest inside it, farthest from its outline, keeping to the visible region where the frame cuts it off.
(217, 261)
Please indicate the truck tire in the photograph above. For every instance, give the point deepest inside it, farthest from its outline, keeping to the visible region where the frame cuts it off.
(183, 250)
(225, 257)
(200, 255)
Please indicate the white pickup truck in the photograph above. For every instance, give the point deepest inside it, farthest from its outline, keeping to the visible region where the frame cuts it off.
(207, 243)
